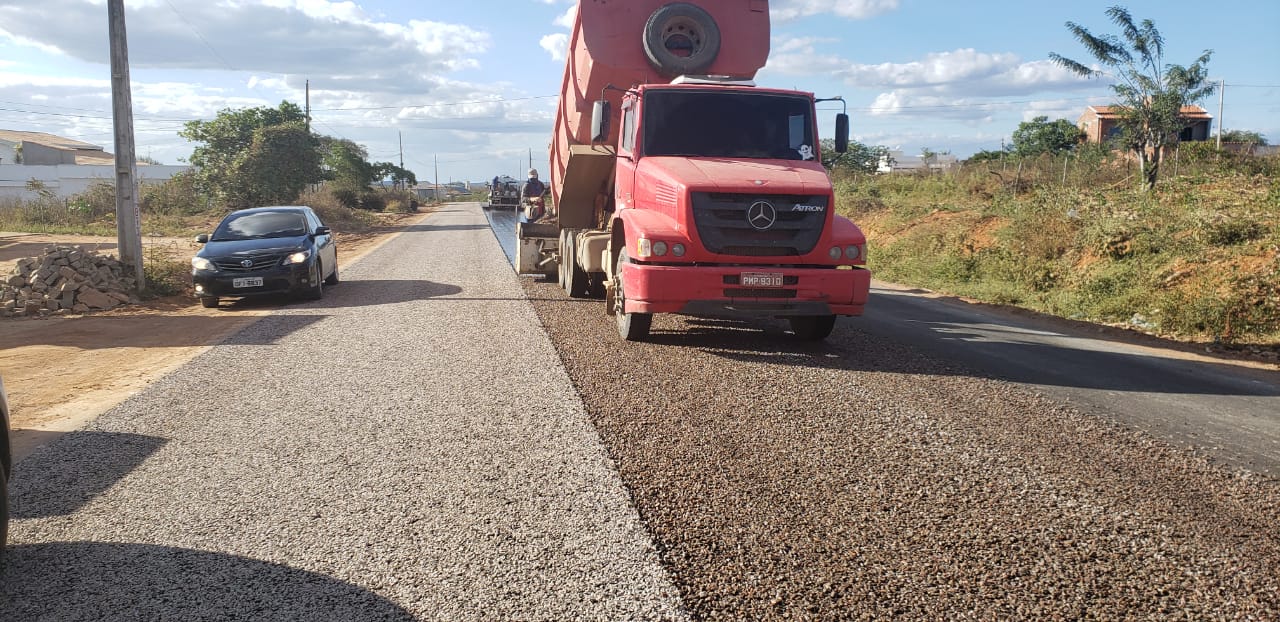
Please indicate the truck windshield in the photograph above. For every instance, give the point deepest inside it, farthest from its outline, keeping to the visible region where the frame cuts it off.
(728, 125)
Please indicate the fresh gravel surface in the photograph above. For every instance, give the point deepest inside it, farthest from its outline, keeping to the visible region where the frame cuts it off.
(409, 447)
(861, 479)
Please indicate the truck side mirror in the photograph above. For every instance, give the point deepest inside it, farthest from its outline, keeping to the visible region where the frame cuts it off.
(842, 133)
(203, 238)
(600, 112)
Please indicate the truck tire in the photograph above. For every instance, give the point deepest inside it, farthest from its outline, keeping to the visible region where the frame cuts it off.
(812, 327)
(631, 326)
(576, 283)
(681, 39)
(560, 264)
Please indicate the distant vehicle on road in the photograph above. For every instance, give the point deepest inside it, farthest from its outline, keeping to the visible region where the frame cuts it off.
(265, 250)
(6, 465)
(504, 193)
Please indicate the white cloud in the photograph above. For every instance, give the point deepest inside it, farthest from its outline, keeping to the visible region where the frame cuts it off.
(277, 36)
(557, 45)
(784, 10)
(567, 18)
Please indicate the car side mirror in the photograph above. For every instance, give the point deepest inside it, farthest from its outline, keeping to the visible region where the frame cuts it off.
(842, 133)
(203, 238)
(600, 112)
(321, 231)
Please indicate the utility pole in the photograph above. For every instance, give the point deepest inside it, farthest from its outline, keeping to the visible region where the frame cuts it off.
(435, 164)
(1222, 92)
(128, 217)
(308, 106)
(401, 135)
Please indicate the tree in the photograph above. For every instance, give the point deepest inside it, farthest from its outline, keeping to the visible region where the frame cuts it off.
(988, 155)
(226, 141)
(347, 166)
(1150, 95)
(277, 166)
(1039, 136)
(859, 157)
(398, 176)
(1243, 136)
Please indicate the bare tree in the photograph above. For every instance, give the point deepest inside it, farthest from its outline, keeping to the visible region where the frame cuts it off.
(1150, 94)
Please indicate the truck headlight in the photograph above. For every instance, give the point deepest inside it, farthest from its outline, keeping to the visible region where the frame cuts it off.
(200, 263)
(834, 253)
(677, 249)
(660, 248)
(852, 251)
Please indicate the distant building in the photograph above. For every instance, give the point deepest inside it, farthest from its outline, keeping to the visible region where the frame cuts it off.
(63, 165)
(1102, 123)
(899, 162)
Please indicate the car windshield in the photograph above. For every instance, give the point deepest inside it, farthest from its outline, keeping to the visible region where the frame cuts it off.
(728, 125)
(257, 225)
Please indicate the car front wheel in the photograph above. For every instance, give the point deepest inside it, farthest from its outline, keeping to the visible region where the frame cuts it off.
(316, 291)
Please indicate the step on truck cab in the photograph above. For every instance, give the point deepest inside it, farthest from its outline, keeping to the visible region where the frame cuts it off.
(681, 187)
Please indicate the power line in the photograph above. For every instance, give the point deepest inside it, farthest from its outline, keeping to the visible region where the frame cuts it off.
(438, 104)
(198, 35)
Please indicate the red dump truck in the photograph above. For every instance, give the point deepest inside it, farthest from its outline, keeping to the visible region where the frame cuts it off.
(680, 187)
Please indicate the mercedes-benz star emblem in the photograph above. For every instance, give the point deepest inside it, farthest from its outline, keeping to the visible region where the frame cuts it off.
(761, 215)
(248, 263)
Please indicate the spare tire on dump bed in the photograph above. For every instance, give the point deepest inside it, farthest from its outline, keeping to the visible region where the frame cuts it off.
(681, 39)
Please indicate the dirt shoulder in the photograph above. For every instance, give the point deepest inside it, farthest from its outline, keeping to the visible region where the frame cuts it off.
(62, 372)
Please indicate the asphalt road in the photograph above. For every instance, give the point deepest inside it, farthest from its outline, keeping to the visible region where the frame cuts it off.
(1227, 412)
(409, 447)
(439, 439)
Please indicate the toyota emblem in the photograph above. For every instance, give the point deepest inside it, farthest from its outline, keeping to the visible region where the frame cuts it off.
(761, 215)
(248, 263)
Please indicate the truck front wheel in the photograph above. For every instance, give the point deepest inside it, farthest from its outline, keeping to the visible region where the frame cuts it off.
(812, 327)
(631, 326)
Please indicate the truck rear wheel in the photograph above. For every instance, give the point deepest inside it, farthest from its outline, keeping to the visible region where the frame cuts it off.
(812, 327)
(631, 326)
(681, 39)
(576, 283)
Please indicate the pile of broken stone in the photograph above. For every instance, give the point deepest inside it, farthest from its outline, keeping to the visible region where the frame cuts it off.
(66, 279)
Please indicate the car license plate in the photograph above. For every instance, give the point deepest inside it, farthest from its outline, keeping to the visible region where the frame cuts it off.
(252, 281)
(760, 279)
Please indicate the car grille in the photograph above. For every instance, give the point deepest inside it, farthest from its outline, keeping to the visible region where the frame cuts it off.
(721, 220)
(260, 261)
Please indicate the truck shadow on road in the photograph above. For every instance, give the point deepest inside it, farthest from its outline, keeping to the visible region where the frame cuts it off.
(44, 485)
(1027, 363)
(945, 349)
(101, 580)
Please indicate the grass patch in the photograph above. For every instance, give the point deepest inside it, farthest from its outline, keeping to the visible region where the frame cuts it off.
(1197, 259)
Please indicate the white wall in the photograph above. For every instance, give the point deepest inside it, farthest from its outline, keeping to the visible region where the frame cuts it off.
(69, 179)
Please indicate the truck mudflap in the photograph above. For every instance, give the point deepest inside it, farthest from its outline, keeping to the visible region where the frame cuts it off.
(768, 291)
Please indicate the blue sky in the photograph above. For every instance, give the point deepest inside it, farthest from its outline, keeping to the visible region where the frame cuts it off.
(472, 85)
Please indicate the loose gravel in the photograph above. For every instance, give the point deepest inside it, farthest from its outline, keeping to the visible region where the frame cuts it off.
(409, 447)
(860, 479)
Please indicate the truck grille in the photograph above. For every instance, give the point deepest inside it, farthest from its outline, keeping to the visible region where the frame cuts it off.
(721, 220)
(261, 261)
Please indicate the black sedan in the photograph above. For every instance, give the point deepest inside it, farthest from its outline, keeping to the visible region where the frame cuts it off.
(265, 250)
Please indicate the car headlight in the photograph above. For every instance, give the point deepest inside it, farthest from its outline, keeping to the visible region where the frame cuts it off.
(297, 257)
(200, 263)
